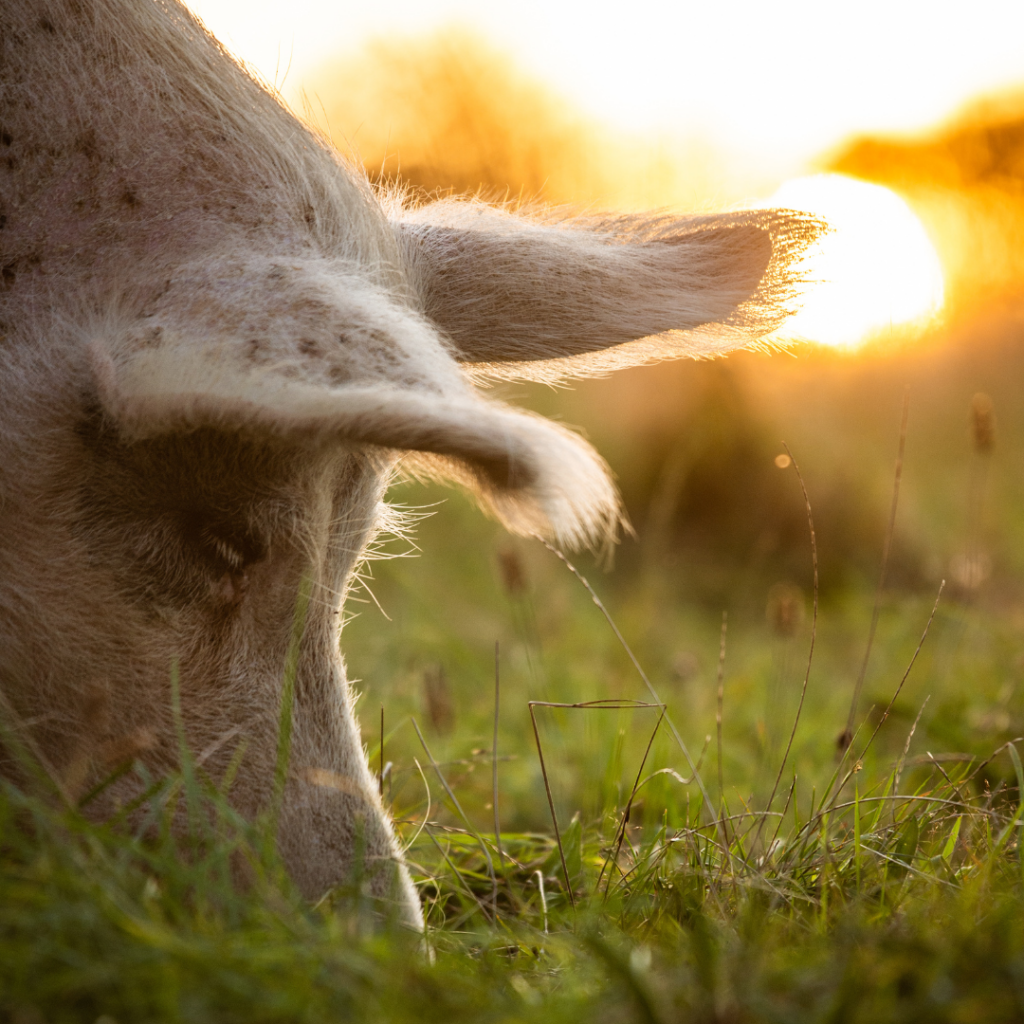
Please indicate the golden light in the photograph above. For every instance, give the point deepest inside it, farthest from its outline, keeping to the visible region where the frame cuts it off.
(877, 269)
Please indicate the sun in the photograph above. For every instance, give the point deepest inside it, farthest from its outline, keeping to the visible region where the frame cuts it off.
(875, 270)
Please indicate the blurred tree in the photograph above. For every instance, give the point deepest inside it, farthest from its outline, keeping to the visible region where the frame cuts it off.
(448, 112)
(966, 183)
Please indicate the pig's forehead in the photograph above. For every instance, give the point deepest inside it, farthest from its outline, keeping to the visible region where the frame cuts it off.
(218, 471)
(246, 289)
(313, 320)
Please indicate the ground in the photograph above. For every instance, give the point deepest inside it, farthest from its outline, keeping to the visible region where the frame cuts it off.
(791, 883)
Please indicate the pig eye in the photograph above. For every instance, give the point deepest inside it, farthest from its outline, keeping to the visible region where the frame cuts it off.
(223, 545)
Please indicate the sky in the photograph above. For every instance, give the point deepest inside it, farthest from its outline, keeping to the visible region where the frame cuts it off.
(782, 82)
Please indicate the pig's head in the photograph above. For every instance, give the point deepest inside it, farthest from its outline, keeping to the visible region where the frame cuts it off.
(210, 374)
(179, 472)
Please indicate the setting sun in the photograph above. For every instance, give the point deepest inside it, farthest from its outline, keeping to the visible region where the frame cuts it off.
(876, 269)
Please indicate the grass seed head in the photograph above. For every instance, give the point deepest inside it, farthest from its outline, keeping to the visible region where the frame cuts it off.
(983, 423)
(513, 573)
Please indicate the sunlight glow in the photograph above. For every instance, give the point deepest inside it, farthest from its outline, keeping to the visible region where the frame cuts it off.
(876, 269)
(734, 75)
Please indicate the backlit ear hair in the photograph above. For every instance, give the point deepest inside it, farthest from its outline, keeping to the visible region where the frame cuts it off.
(541, 299)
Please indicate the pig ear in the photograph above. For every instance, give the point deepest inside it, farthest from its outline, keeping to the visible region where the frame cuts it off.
(535, 477)
(533, 299)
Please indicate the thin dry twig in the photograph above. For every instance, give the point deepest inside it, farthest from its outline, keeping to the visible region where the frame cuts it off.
(613, 858)
(551, 806)
(596, 705)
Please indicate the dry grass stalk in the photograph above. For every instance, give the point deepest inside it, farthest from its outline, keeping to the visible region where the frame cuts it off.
(612, 858)
(591, 705)
(814, 634)
(705, 796)
(494, 758)
(846, 736)
(721, 700)
(881, 722)
(462, 814)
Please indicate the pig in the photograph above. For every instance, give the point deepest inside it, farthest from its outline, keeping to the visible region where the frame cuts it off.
(218, 342)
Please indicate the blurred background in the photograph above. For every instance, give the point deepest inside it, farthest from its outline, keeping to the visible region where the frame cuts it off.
(903, 123)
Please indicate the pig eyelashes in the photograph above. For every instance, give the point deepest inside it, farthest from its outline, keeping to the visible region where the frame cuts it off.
(229, 554)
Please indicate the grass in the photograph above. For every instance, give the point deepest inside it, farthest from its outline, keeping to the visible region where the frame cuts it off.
(883, 885)
(897, 897)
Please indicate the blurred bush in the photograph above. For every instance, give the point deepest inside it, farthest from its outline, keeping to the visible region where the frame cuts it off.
(449, 112)
(694, 447)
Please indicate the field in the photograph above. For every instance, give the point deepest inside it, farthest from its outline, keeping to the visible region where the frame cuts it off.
(765, 871)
